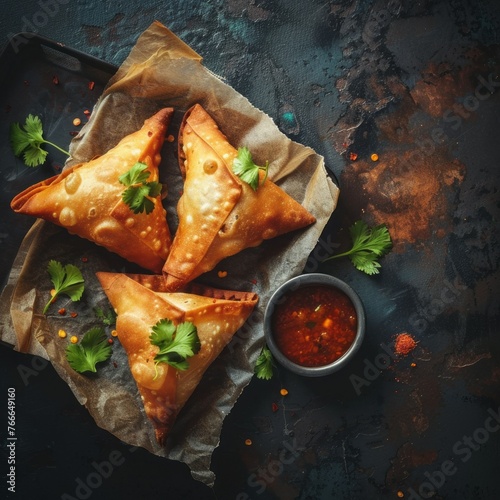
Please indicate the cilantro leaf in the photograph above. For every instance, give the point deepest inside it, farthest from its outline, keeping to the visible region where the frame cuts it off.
(368, 245)
(92, 349)
(176, 343)
(264, 367)
(67, 280)
(247, 170)
(28, 139)
(139, 192)
(108, 317)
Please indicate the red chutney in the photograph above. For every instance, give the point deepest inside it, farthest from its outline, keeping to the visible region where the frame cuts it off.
(314, 325)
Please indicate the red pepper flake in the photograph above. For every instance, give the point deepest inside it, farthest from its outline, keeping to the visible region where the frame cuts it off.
(74, 314)
(115, 364)
(110, 341)
(353, 156)
(404, 344)
(275, 407)
(86, 112)
(73, 133)
(26, 82)
(91, 85)
(62, 311)
(84, 259)
(55, 80)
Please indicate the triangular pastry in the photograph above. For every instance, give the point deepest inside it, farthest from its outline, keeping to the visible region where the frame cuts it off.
(86, 198)
(140, 302)
(219, 214)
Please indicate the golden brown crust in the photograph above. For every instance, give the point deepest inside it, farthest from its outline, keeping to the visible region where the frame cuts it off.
(140, 302)
(219, 215)
(86, 199)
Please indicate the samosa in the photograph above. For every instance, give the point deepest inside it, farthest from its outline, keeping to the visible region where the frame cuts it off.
(147, 316)
(113, 200)
(219, 213)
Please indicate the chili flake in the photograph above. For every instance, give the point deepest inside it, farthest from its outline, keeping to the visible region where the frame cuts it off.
(404, 344)
(55, 80)
(62, 311)
(91, 85)
(274, 407)
(74, 314)
(353, 156)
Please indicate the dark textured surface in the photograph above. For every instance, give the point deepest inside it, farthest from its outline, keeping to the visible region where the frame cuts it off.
(418, 83)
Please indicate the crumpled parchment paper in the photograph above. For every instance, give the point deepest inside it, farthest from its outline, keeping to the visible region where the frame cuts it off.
(161, 70)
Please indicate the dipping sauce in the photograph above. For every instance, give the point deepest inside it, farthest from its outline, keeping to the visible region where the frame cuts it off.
(314, 325)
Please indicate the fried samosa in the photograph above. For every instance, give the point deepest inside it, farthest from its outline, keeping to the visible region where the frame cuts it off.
(87, 200)
(219, 214)
(140, 301)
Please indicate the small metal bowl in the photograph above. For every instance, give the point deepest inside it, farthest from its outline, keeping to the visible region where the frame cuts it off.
(311, 280)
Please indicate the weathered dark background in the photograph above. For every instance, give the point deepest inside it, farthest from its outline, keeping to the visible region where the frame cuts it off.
(417, 83)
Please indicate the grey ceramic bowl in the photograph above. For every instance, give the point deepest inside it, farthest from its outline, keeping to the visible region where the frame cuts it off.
(310, 280)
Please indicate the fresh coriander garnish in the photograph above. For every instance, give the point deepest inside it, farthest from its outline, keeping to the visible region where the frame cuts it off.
(176, 343)
(108, 317)
(67, 280)
(139, 192)
(264, 367)
(93, 348)
(247, 170)
(368, 245)
(28, 140)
